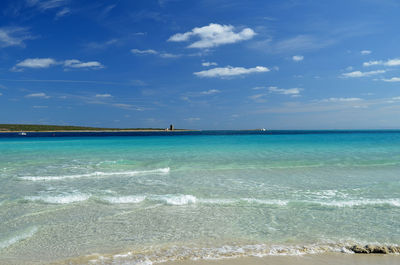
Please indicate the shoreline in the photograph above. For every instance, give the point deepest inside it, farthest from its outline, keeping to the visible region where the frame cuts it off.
(327, 258)
(325, 255)
(308, 259)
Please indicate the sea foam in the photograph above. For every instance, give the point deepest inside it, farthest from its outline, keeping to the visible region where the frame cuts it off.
(177, 199)
(60, 199)
(98, 174)
(124, 199)
(366, 202)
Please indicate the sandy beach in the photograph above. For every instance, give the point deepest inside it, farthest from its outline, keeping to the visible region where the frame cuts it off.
(318, 259)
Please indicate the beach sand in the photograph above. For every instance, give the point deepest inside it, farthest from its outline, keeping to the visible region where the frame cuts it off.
(316, 259)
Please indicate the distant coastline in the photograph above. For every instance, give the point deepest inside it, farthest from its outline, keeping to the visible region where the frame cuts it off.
(12, 128)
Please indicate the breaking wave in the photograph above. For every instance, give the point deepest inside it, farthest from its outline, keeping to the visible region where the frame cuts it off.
(366, 202)
(177, 199)
(59, 199)
(188, 199)
(98, 174)
(124, 199)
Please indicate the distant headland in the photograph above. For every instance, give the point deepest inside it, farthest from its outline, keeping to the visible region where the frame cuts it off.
(7, 128)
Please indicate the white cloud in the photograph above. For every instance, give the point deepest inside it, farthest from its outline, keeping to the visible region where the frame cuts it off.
(122, 105)
(213, 35)
(365, 52)
(393, 79)
(127, 106)
(258, 97)
(390, 62)
(298, 58)
(47, 62)
(362, 74)
(206, 64)
(103, 96)
(14, 36)
(169, 55)
(36, 63)
(230, 71)
(63, 12)
(289, 91)
(258, 87)
(37, 95)
(74, 63)
(149, 51)
(192, 119)
(210, 92)
(370, 63)
(44, 5)
(154, 52)
(341, 99)
(102, 45)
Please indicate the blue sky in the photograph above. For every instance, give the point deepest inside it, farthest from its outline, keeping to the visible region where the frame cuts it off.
(205, 64)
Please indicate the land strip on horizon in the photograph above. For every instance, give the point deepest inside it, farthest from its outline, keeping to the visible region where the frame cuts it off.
(6, 128)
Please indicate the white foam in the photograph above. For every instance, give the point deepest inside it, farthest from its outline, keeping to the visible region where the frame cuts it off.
(22, 236)
(60, 199)
(218, 201)
(351, 203)
(178, 199)
(325, 194)
(333, 203)
(125, 199)
(268, 202)
(148, 256)
(98, 174)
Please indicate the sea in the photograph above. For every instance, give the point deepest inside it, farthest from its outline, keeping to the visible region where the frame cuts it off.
(150, 197)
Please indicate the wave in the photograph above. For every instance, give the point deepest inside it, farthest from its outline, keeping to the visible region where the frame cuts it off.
(98, 174)
(267, 202)
(59, 199)
(149, 256)
(19, 237)
(177, 199)
(124, 199)
(190, 199)
(187, 199)
(365, 202)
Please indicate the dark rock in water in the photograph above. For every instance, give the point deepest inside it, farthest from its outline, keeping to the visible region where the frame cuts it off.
(373, 249)
(377, 249)
(394, 249)
(359, 249)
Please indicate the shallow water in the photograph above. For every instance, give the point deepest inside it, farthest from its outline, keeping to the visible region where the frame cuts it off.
(152, 198)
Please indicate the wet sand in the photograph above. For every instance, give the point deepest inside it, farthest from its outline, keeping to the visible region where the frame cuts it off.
(317, 259)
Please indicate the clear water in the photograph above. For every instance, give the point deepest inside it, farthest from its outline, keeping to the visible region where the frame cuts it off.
(142, 199)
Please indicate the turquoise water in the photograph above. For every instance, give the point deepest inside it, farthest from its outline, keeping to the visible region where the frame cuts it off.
(146, 199)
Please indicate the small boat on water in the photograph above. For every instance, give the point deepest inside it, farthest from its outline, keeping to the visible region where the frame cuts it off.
(22, 133)
(263, 129)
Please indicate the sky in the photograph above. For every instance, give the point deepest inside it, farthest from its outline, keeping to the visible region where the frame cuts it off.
(204, 64)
